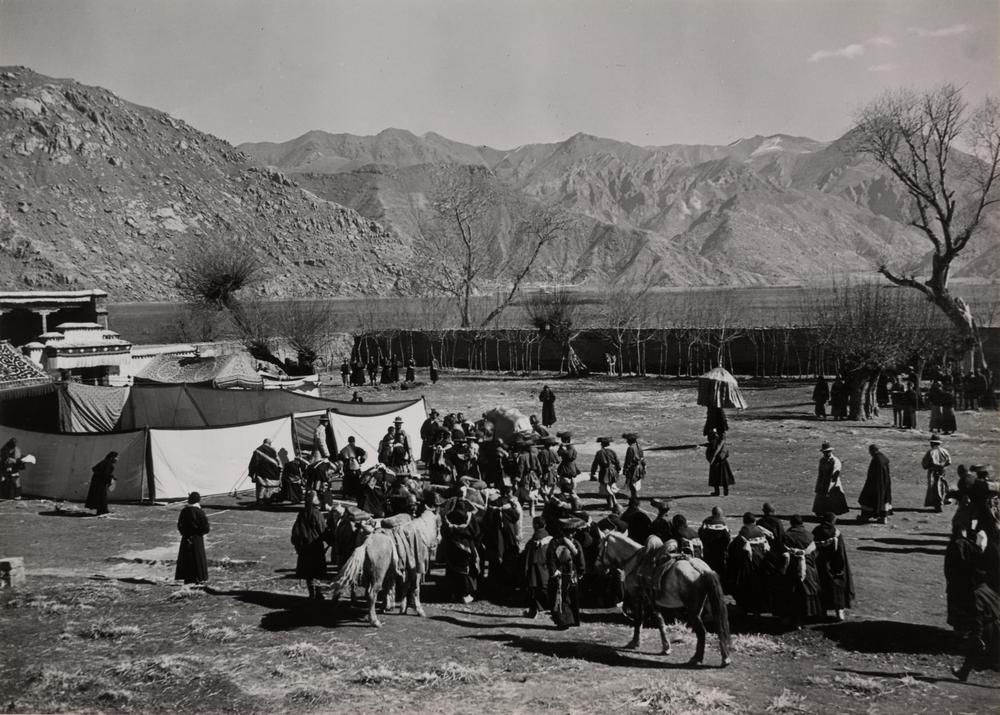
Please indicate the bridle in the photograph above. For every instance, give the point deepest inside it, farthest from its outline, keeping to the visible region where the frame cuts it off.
(602, 554)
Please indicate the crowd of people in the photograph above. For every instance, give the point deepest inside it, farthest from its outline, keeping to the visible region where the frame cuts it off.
(384, 371)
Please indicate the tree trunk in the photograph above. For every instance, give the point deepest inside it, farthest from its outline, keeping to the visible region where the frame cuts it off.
(861, 394)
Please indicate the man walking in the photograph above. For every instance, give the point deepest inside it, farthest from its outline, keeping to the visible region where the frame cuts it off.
(935, 460)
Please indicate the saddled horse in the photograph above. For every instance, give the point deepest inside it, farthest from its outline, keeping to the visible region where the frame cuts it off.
(392, 560)
(668, 583)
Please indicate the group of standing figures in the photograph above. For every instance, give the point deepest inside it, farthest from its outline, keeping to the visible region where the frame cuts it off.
(386, 371)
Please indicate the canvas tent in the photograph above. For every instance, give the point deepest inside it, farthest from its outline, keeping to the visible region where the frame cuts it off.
(232, 370)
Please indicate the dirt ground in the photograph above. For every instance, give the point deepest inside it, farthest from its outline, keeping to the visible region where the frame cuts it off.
(101, 626)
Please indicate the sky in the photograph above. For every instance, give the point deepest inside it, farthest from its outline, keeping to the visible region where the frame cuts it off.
(649, 72)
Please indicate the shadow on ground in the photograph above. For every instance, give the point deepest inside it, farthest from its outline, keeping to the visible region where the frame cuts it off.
(892, 637)
(583, 650)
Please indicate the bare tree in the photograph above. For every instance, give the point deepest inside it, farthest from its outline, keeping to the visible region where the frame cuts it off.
(868, 328)
(307, 325)
(475, 235)
(555, 315)
(914, 136)
(214, 271)
(623, 310)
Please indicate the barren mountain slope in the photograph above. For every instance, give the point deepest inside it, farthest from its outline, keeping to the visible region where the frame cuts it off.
(98, 192)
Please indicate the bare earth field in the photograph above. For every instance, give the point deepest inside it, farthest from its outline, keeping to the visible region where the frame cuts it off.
(101, 626)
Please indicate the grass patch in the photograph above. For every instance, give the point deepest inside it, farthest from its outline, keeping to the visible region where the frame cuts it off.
(160, 669)
(684, 697)
(448, 673)
(861, 686)
(106, 629)
(754, 644)
(185, 593)
(54, 682)
(787, 703)
(116, 698)
(200, 630)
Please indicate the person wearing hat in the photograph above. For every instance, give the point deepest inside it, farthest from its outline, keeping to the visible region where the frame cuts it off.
(660, 526)
(265, 471)
(460, 546)
(836, 583)
(745, 568)
(720, 474)
(525, 468)
(428, 434)
(352, 457)
(634, 467)
(829, 493)
(536, 569)
(605, 470)
(565, 561)
(319, 479)
(935, 461)
(774, 560)
(566, 452)
(293, 479)
(308, 533)
(192, 523)
(321, 441)
(798, 593)
(548, 400)
(715, 539)
(548, 465)
(876, 495)
(500, 526)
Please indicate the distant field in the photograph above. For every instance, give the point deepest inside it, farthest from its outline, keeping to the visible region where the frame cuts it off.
(147, 323)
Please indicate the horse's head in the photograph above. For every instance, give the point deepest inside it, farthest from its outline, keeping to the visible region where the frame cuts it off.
(614, 551)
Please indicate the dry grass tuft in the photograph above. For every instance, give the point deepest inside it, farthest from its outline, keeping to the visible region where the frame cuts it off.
(860, 686)
(684, 697)
(184, 593)
(680, 633)
(199, 629)
(753, 644)
(161, 668)
(55, 682)
(787, 703)
(310, 696)
(106, 629)
(448, 673)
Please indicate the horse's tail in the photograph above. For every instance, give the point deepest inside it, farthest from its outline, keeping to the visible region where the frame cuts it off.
(353, 569)
(717, 602)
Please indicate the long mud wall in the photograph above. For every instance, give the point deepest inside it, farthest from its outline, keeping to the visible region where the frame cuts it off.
(763, 352)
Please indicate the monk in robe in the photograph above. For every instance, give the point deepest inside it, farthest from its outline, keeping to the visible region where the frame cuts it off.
(639, 523)
(101, 482)
(715, 540)
(876, 495)
(744, 567)
(308, 534)
(835, 579)
(798, 597)
(192, 523)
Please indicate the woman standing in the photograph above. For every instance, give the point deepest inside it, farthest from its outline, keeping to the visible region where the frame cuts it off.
(835, 581)
(829, 491)
(307, 538)
(548, 400)
(101, 483)
(192, 565)
(720, 474)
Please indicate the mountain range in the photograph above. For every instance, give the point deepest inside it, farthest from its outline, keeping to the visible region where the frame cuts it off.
(96, 191)
(764, 210)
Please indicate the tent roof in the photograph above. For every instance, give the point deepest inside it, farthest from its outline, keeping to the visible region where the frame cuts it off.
(172, 369)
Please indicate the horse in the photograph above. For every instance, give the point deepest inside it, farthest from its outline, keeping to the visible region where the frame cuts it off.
(687, 583)
(389, 560)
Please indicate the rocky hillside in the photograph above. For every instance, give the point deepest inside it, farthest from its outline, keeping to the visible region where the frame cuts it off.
(98, 192)
(763, 210)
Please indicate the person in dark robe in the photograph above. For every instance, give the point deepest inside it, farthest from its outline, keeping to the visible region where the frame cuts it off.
(548, 400)
(500, 531)
(715, 419)
(744, 567)
(492, 455)
(774, 563)
(839, 398)
(192, 523)
(428, 433)
(265, 470)
(345, 372)
(566, 565)
(821, 395)
(536, 569)
(947, 402)
(293, 479)
(829, 494)
(434, 368)
(308, 533)
(357, 376)
(962, 573)
(394, 370)
(660, 526)
(876, 495)
(798, 599)
(524, 469)
(605, 470)
(720, 474)
(352, 457)
(567, 468)
(385, 378)
(373, 372)
(459, 539)
(715, 540)
(934, 400)
(982, 649)
(634, 467)
(882, 390)
(639, 523)
(835, 580)
(101, 482)
(548, 464)
(356, 398)
(687, 538)
(411, 370)
(908, 402)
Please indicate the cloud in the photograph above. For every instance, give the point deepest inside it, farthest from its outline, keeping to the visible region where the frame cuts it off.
(881, 41)
(844, 53)
(884, 67)
(941, 31)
